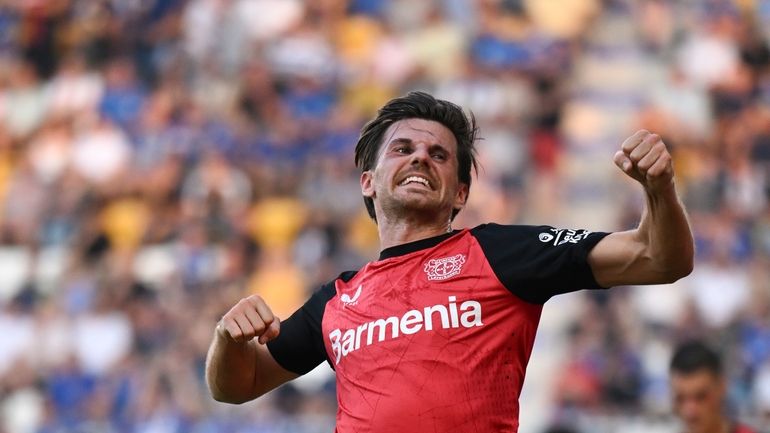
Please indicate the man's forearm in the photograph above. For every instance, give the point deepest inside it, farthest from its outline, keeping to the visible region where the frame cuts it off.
(666, 231)
(239, 366)
(231, 369)
(660, 250)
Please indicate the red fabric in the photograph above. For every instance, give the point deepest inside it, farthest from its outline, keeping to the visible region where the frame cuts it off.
(545, 150)
(740, 428)
(465, 374)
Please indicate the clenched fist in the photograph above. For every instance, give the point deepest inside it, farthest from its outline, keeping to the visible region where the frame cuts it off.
(249, 318)
(644, 157)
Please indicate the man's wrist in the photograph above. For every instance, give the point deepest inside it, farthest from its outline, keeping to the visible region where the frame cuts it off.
(661, 191)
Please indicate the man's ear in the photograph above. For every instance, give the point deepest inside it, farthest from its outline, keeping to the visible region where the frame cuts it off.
(462, 196)
(367, 184)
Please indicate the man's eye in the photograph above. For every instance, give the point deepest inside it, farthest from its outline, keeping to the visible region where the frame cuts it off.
(439, 156)
(400, 150)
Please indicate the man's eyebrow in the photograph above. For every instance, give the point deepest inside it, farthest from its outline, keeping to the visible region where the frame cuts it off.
(404, 140)
(401, 140)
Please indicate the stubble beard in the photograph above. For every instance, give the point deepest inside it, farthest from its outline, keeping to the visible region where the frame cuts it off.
(412, 208)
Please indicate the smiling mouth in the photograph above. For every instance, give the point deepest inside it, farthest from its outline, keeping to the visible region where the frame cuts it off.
(415, 179)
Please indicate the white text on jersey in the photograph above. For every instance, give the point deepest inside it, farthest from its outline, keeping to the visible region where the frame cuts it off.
(467, 316)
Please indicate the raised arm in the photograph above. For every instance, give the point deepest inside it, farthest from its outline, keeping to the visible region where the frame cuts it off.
(239, 367)
(660, 250)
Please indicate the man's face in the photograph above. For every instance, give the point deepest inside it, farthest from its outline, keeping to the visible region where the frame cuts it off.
(416, 170)
(697, 399)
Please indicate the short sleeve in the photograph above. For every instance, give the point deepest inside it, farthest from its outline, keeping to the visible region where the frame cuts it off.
(538, 262)
(299, 346)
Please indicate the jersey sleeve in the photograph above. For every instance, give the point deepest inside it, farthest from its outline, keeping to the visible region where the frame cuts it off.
(299, 346)
(538, 262)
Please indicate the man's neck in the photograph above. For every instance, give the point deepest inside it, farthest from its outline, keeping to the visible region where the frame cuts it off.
(722, 426)
(402, 231)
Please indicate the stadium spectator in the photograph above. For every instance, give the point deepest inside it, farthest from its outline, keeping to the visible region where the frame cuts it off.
(699, 390)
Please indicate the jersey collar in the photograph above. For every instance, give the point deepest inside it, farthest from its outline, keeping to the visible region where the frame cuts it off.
(410, 247)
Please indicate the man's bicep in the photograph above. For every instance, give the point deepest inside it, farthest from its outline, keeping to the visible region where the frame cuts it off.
(619, 259)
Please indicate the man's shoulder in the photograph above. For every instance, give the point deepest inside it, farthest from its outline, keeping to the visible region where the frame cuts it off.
(508, 232)
(344, 277)
(328, 290)
(537, 234)
(506, 228)
(498, 226)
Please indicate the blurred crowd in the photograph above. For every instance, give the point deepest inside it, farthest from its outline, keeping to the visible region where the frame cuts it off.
(161, 159)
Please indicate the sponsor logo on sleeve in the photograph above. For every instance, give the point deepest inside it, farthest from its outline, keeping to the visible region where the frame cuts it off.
(563, 236)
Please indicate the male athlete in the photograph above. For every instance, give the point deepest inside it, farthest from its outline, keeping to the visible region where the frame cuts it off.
(435, 335)
(699, 391)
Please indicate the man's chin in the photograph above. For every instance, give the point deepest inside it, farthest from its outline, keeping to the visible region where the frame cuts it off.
(411, 205)
(695, 427)
(420, 202)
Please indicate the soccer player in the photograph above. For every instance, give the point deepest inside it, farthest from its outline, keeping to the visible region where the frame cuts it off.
(436, 333)
(698, 390)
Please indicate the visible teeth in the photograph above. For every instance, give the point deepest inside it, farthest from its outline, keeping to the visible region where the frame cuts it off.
(415, 179)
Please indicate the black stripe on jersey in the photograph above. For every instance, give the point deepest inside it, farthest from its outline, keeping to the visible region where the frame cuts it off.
(299, 347)
(410, 247)
(533, 268)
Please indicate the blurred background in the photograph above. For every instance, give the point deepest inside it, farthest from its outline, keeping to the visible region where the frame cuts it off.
(161, 159)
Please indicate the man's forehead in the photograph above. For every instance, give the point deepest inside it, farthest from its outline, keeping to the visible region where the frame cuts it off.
(699, 378)
(420, 129)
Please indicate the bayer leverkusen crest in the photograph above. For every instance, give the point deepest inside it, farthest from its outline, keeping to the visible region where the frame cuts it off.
(447, 267)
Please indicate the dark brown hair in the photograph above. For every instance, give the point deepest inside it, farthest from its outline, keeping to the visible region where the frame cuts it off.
(419, 105)
(693, 356)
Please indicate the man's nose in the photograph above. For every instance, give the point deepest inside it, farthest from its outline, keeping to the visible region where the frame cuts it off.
(420, 155)
(689, 409)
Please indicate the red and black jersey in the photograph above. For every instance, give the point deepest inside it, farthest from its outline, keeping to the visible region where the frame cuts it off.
(436, 334)
(742, 428)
